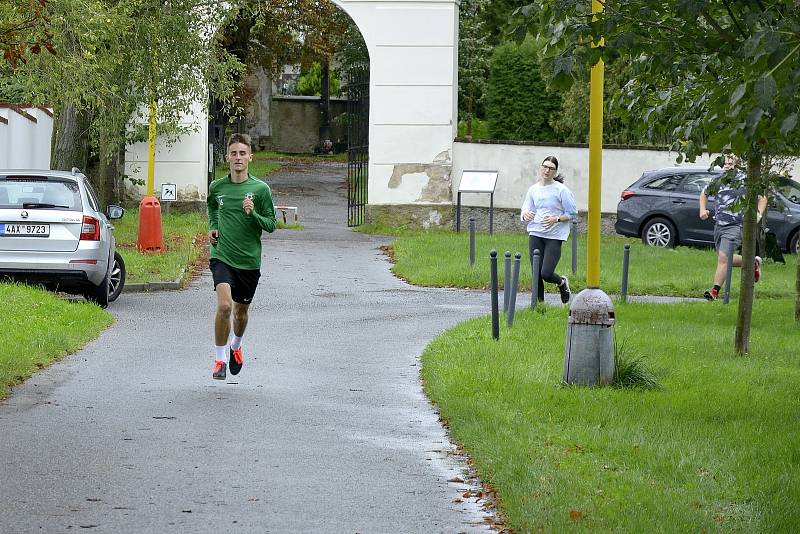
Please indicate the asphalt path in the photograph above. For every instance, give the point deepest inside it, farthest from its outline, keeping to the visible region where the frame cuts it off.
(326, 429)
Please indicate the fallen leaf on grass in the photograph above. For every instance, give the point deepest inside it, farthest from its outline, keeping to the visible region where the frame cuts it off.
(574, 515)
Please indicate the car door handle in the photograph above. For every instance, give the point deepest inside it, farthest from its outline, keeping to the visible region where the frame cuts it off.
(679, 202)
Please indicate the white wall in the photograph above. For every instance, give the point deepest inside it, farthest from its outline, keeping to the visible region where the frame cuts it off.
(518, 167)
(184, 162)
(25, 137)
(413, 89)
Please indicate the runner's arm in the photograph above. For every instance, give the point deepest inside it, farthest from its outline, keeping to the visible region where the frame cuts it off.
(213, 210)
(264, 213)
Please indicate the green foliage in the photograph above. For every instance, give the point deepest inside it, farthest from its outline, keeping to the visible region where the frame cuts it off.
(520, 105)
(474, 59)
(112, 59)
(480, 129)
(310, 83)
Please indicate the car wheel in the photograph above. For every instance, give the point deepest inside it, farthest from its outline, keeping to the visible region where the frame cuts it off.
(116, 280)
(659, 232)
(794, 244)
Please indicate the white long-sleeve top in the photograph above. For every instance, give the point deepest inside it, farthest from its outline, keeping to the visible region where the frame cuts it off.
(543, 200)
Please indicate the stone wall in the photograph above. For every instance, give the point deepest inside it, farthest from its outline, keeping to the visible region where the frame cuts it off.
(434, 216)
(295, 124)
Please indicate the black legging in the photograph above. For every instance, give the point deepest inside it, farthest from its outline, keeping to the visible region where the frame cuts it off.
(549, 255)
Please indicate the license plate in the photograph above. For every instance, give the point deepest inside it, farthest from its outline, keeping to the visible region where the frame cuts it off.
(24, 230)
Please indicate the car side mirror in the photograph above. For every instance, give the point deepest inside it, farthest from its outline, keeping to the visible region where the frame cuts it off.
(115, 212)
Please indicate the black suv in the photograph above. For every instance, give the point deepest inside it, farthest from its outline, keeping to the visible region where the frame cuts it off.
(662, 208)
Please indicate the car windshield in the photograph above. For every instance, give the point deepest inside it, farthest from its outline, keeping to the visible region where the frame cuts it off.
(39, 192)
(789, 189)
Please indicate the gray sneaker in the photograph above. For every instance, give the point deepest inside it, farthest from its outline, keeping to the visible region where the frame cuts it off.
(563, 288)
(220, 370)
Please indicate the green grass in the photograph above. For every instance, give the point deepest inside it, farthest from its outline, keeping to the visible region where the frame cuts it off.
(715, 448)
(441, 258)
(41, 328)
(179, 252)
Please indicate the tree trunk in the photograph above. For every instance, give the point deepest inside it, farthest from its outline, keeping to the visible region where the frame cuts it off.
(109, 171)
(70, 139)
(749, 231)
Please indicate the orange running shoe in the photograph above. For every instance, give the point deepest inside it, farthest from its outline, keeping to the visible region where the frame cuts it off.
(235, 361)
(219, 370)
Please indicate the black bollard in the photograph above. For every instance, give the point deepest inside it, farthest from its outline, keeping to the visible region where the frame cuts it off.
(626, 258)
(512, 302)
(506, 280)
(535, 278)
(574, 246)
(495, 310)
(728, 274)
(472, 242)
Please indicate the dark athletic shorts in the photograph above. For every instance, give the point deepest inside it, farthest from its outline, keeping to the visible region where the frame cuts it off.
(243, 282)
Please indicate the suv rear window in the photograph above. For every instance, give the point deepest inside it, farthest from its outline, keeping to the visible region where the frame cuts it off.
(39, 192)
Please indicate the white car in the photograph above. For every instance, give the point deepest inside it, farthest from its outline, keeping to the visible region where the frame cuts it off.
(53, 233)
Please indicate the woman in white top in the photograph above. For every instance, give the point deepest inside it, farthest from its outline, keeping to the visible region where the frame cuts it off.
(548, 209)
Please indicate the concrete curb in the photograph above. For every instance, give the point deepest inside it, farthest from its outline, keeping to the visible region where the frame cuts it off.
(155, 286)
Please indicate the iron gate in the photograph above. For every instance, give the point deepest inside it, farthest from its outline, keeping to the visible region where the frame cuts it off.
(357, 143)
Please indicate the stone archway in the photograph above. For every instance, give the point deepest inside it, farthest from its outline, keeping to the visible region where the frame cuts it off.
(413, 48)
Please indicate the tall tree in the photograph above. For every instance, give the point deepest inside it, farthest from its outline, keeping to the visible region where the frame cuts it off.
(474, 58)
(113, 58)
(720, 74)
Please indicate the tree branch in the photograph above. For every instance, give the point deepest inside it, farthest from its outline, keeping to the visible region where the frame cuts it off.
(733, 18)
(714, 24)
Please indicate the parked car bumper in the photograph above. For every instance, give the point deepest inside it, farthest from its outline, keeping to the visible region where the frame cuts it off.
(626, 226)
(56, 268)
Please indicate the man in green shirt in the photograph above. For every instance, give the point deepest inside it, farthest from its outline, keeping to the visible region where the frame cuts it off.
(239, 208)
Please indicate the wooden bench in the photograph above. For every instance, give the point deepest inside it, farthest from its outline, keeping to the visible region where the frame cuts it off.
(284, 209)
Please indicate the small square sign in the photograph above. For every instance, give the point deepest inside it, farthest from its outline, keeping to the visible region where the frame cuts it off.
(169, 192)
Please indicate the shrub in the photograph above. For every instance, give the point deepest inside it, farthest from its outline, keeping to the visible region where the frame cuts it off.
(519, 103)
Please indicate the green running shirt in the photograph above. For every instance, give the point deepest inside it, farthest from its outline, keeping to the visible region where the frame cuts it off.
(239, 243)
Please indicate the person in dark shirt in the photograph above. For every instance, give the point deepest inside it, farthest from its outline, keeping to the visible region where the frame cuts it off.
(728, 225)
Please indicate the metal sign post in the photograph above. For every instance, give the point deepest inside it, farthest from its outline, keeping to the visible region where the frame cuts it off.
(477, 182)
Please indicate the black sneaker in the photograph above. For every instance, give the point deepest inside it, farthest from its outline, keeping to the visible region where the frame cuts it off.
(235, 360)
(219, 370)
(563, 288)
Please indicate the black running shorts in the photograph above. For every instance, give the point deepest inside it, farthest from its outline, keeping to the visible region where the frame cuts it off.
(243, 282)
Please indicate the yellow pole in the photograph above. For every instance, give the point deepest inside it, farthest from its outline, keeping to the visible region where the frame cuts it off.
(151, 151)
(595, 166)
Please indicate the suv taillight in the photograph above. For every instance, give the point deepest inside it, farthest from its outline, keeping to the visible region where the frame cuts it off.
(90, 231)
(627, 194)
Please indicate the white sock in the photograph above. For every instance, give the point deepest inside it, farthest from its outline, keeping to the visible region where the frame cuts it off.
(222, 353)
(236, 342)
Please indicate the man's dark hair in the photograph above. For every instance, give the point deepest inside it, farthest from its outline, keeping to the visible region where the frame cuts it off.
(240, 138)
